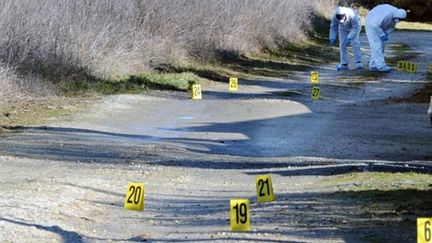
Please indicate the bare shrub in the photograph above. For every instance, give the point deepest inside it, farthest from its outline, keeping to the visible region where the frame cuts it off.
(58, 40)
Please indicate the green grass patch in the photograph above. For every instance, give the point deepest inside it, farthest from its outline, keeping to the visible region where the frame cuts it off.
(389, 202)
(39, 110)
(387, 193)
(132, 84)
(381, 181)
(414, 26)
(282, 61)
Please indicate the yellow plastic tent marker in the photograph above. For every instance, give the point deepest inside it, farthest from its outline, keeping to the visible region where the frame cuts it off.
(239, 215)
(135, 197)
(233, 84)
(413, 67)
(314, 77)
(316, 91)
(400, 66)
(264, 189)
(196, 92)
(405, 66)
(424, 230)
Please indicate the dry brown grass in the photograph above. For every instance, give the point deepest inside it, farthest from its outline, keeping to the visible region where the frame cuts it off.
(58, 40)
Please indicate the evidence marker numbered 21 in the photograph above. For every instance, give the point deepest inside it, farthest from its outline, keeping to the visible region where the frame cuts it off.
(264, 189)
(135, 197)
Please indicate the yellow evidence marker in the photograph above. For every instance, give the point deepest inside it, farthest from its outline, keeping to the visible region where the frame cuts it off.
(239, 215)
(135, 197)
(400, 66)
(233, 84)
(424, 230)
(196, 92)
(405, 66)
(316, 91)
(264, 189)
(412, 67)
(314, 77)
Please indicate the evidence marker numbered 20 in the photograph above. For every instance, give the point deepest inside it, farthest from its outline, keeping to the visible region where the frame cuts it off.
(135, 197)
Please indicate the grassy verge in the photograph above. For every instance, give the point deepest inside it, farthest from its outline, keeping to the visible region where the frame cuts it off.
(390, 203)
(281, 62)
(132, 84)
(79, 94)
(36, 111)
(414, 26)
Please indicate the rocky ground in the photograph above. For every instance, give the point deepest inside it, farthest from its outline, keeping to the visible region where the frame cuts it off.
(66, 180)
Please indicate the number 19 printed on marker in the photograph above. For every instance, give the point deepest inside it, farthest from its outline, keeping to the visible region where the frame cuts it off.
(239, 215)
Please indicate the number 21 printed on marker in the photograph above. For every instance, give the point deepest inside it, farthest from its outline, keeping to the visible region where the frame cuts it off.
(264, 189)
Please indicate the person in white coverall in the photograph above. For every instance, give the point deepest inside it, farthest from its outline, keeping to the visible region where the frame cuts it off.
(380, 22)
(346, 23)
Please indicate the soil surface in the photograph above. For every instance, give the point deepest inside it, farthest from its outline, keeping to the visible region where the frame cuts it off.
(66, 180)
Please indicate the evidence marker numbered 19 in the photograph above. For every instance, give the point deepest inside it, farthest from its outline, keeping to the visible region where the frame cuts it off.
(264, 189)
(196, 92)
(233, 84)
(239, 214)
(424, 230)
(135, 197)
(314, 78)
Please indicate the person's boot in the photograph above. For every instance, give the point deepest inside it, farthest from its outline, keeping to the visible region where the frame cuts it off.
(385, 69)
(359, 65)
(341, 67)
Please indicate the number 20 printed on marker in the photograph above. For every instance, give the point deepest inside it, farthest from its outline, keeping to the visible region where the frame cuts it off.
(135, 197)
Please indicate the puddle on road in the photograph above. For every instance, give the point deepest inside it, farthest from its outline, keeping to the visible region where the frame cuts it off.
(187, 118)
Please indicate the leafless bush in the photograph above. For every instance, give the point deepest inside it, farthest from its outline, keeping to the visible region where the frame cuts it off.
(60, 40)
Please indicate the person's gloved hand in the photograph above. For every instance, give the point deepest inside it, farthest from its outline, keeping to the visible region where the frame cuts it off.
(346, 42)
(385, 37)
(332, 42)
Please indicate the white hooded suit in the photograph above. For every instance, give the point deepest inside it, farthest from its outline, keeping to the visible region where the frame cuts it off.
(348, 27)
(381, 21)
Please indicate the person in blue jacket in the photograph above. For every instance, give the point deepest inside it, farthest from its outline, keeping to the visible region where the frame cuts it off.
(346, 23)
(380, 22)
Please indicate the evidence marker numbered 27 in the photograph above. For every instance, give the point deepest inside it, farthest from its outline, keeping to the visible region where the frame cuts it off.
(316, 93)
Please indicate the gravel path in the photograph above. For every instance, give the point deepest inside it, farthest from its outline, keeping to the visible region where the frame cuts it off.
(66, 181)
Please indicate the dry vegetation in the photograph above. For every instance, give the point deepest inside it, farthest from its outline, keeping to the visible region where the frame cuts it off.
(48, 42)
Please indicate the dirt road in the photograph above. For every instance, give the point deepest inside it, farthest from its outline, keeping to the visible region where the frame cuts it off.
(66, 180)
